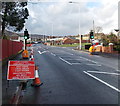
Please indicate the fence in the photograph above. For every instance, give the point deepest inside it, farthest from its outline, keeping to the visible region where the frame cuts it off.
(9, 48)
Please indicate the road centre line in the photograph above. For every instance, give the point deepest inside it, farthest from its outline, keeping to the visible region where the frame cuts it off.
(98, 72)
(116, 89)
(53, 54)
(65, 61)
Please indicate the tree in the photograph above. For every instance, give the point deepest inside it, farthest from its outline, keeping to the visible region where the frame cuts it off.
(14, 15)
(97, 30)
(112, 38)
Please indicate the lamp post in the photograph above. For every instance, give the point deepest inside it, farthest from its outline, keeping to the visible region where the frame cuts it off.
(117, 30)
(80, 40)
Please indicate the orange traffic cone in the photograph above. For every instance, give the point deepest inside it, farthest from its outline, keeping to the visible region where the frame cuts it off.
(25, 54)
(36, 81)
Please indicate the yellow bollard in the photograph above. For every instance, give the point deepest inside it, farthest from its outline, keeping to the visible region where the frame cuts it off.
(91, 50)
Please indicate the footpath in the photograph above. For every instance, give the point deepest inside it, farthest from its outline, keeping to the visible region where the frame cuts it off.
(8, 87)
(14, 90)
(107, 55)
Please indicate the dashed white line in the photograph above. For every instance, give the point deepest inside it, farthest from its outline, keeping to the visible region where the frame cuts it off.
(99, 72)
(65, 61)
(75, 63)
(116, 89)
(95, 64)
(53, 54)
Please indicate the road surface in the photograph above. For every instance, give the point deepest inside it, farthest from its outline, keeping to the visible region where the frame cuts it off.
(73, 77)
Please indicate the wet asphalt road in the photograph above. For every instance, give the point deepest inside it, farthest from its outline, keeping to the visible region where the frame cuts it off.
(73, 77)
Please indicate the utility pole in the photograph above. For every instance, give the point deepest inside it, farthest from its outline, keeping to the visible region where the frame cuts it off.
(93, 28)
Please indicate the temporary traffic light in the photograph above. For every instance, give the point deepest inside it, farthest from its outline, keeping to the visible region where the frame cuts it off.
(26, 35)
(91, 35)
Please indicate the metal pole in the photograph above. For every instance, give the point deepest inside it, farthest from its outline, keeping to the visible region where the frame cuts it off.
(80, 42)
(93, 28)
(52, 28)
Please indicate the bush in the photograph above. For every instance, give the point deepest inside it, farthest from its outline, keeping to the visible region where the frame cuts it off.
(116, 47)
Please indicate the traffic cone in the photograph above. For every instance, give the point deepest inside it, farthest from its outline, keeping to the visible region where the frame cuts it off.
(36, 81)
(25, 54)
(31, 56)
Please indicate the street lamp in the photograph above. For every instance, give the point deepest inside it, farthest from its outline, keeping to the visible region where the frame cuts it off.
(117, 30)
(80, 41)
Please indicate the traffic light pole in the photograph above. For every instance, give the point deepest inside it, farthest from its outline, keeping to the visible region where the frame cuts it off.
(25, 42)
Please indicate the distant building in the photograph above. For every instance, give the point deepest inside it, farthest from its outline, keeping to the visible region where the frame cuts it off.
(70, 40)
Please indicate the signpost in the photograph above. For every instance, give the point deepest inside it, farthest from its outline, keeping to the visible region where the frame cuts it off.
(21, 70)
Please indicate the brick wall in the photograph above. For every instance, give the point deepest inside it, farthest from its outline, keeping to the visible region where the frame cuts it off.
(104, 49)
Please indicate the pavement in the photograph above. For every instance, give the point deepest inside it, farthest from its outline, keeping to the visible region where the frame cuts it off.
(73, 77)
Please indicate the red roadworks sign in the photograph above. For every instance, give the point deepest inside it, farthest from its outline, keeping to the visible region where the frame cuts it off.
(20, 70)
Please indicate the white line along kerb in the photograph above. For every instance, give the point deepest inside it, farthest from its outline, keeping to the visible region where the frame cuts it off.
(116, 89)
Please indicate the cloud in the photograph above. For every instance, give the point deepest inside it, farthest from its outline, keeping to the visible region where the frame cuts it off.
(63, 17)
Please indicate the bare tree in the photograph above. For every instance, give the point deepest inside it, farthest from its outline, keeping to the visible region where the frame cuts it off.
(98, 29)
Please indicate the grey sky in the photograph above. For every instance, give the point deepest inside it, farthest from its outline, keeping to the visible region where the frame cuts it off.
(62, 18)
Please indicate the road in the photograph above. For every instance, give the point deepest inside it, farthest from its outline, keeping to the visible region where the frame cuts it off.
(73, 77)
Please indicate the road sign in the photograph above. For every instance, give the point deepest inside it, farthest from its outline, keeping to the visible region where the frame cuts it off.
(20, 70)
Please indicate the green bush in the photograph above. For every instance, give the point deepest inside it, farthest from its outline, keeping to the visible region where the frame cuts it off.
(116, 47)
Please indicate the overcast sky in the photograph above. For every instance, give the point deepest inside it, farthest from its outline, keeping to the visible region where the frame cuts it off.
(59, 17)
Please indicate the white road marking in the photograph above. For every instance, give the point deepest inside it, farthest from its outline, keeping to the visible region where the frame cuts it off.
(118, 70)
(53, 54)
(73, 59)
(65, 61)
(97, 56)
(95, 64)
(71, 54)
(42, 52)
(39, 52)
(45, 51)
(98, 72)
(89, 60)
(75, 63)
(116, 89)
